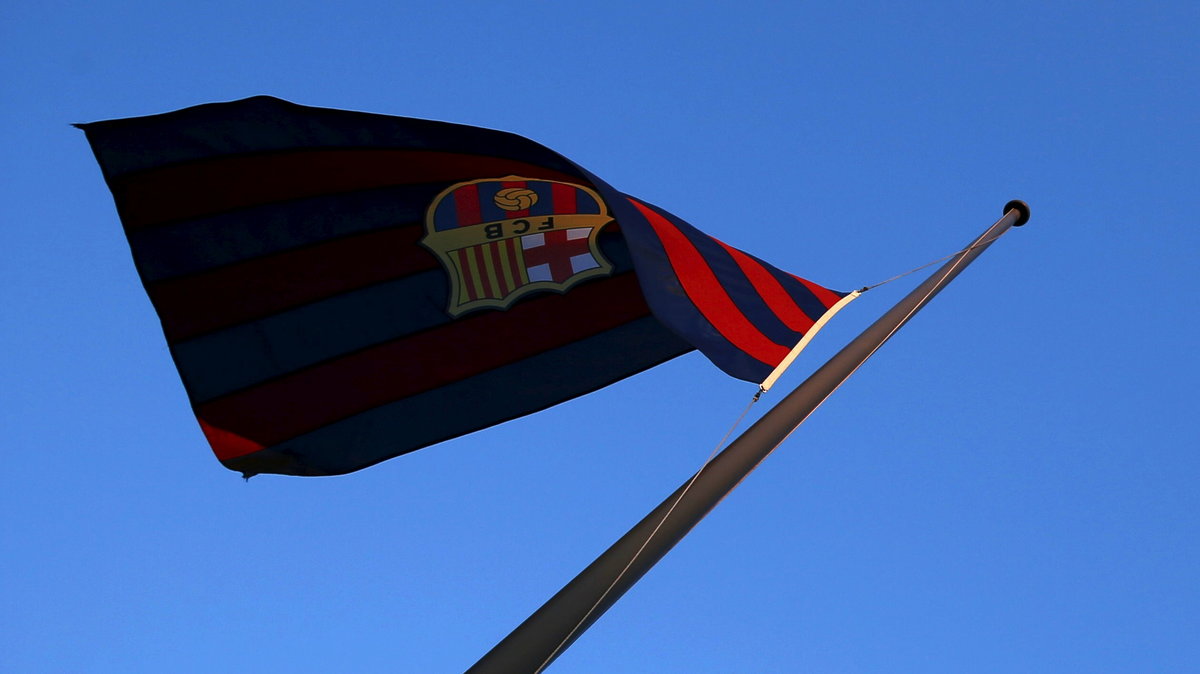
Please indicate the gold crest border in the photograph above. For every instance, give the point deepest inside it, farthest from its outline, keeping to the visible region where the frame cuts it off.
(593, 221)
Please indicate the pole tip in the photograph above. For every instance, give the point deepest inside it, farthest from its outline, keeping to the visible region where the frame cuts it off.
(1020, 206)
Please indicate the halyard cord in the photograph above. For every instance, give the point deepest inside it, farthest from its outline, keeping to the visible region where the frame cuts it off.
(832, 311)
(682, 492)
(757, 395)
(930, 264)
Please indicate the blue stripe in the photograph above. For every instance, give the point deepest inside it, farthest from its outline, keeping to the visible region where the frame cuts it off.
(265, 124)
(802, 296)
(488, 210)
(240, 356)
(544, 206)
(737, 285)
(434, 416)
(742, 290)
(189, 247)
(586, 203)
(445, 216)
(665, 294)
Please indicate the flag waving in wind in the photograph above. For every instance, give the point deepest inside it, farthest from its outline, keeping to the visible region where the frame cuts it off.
(338, 288)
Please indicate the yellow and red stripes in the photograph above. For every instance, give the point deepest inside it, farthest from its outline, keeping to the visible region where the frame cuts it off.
(491, 270)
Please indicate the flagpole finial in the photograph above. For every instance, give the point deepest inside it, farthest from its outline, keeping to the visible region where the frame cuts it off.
(1020, 206)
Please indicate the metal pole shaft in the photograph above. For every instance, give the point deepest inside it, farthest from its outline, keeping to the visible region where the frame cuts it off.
(535, 643)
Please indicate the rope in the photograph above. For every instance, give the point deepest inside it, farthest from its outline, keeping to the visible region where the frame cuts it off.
(682, 492)
(980, 242)
(929, 264)
(736, 423)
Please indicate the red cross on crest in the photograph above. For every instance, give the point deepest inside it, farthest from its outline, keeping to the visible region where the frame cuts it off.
(558, 255)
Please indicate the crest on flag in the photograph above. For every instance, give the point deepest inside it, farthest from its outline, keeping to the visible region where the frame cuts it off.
(500, 239)
(256, 224)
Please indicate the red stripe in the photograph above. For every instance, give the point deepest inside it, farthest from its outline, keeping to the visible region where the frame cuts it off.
(224, 184)
(464, 269)
(241, 292)
(481, 271)
(771, 290)
(564, 198)
(707, 294)
(466, 205)
(271, 413)
(825, 295)
(511, 248)
(227, 445)
(498, 265)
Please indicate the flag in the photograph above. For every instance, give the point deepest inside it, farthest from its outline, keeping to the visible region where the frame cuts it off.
(338, 288)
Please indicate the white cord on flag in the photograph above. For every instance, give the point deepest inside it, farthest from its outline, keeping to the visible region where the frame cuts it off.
(791, 357)
(812, 332)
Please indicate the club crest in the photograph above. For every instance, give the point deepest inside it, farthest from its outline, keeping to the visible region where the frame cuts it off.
(501, 239)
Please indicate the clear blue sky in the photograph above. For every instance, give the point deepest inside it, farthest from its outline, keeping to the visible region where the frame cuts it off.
(1010, 485)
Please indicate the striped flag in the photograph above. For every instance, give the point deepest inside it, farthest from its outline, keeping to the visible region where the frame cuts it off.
(338, 288)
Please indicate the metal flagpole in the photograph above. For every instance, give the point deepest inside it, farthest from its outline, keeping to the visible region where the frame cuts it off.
(535, 643)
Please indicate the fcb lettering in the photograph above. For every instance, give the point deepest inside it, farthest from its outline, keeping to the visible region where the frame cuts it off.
(495, 230)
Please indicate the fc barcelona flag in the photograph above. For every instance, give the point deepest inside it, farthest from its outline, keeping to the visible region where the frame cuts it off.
(338, 288)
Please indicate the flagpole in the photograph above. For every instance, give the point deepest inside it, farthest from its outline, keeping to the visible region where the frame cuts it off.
(535, 643)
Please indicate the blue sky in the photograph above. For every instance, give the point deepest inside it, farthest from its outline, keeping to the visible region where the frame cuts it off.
(1009, 485)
